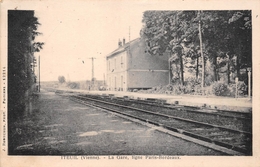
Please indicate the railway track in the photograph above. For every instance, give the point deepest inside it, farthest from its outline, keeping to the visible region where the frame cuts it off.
(237, 121)
(235, 134)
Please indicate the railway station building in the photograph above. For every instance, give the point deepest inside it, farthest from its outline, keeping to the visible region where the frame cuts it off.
(131, 67)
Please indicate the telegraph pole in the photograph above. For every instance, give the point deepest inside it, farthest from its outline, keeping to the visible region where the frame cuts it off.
(169, 61)
(202, 56)
(39, 75)
(249, 82)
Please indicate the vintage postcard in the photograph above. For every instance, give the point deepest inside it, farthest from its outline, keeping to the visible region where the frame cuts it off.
(129, 83)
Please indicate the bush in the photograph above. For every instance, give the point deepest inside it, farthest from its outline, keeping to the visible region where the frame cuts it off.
(197, 89)
(191, 85)
(220, 89)
(208, 91)
(189, 89)
(241, 87)
(73, 85)
(191, 81)
(209, 80)
(178, 89)
(169, 87)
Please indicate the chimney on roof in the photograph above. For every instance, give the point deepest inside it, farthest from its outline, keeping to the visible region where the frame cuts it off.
(119, 43)
(123, 41)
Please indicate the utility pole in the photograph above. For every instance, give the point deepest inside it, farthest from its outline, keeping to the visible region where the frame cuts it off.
(169, 64)
(39, 74)
(249, 82)
(202, 56)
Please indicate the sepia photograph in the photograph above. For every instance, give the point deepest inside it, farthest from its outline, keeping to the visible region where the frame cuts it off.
(129, 83)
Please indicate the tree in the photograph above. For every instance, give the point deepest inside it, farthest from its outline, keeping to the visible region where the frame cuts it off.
(61, 79)
(226, 44)
(240, 39)
(191, 61)
(37, 46)
(227, 35)
(22, 26)
(22, 30)
(167, 31)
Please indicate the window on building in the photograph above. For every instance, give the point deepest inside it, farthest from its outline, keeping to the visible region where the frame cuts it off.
(122, 83)
(109, 65)
(122, 63)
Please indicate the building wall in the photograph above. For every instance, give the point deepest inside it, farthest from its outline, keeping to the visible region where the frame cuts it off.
(139, 58)
(116, 72)
(147, 79)
(146, 70)
(133, 67)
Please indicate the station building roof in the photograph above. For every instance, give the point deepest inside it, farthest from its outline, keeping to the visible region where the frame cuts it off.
(122, 48)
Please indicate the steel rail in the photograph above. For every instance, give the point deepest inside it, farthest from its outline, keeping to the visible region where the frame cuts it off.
(169, 116)
(206, 139)
(185, 108)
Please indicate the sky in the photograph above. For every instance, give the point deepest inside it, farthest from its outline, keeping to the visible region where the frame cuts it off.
(74, 31)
